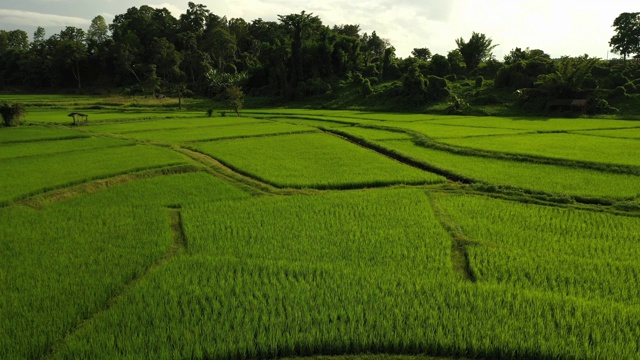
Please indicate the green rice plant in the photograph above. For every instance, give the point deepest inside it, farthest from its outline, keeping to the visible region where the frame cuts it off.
(434, 130)
(312, 160)
(75, 145)
(564, 251)
(630, 133)
(529, 176)
(591, 278)
(60, 116)
(547, 230)
(63, 264)
(376, 134)
(218, 132)
(320, 230)
(165, 191)
(558, 146)
(314, 121)
(27, 176)
(345, 273)
(167, 124)
(534, 123)
(36, 133)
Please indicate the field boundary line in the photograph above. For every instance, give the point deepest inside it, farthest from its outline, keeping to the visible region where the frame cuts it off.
(461, 265)
(420, 139)
(424, 141)
(240, 137)
(179, 128)
(220, 170)
(39, 201)
(399, 157)
(69, 151)
(178, 245)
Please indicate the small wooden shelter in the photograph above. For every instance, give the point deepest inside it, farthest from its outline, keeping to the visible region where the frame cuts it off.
(568, 105)
(79, 118)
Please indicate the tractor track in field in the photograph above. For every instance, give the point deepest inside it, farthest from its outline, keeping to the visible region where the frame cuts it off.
(178, 245)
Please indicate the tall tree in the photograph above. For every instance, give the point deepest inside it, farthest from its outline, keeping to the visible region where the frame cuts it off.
(194, 19)
(421, 53)
(626, 41)
(478, 49)
(568, 79)
(299, 26)
(98, 31)
(13, 45)
(221, 47)
(16, 40)
(72, 50)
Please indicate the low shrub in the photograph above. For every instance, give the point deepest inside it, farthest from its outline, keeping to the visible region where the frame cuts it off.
(12, 113)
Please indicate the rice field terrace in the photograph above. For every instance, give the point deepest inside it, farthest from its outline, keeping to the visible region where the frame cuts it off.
(159, 233)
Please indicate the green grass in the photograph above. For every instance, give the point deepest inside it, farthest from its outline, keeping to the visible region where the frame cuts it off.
(524, 175)
(137, 251)
(535, 123)
(314, 121)
(36, 133)
(281, 263)
(558, 146)
(564, 251)
(375, 134)
(218, 132)
(41, 173)
(432, 130)
(348, 273)
(75, 146)
(63, 264)
(166, 191)
(60, 116)
(167, 124)
(313, 160)
(631, 133)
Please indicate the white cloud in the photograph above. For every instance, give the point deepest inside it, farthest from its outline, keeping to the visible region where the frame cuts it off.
(30, 18)
(173, 9)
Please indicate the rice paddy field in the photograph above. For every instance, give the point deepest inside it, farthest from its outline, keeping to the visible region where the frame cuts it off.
(160, 233)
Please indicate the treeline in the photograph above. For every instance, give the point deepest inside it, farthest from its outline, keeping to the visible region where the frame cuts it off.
(148, 50)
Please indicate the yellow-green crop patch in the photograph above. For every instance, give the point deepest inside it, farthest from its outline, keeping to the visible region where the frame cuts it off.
(168, 124)
(317, 121)
(565, 251)
(376, 134)
(62, 264)
(218, 132)
(174, 190)
(60, 116)
(346, 273)
(40, 173)
(313, 160)
(630, 133)
(112, 247)
(558, 146)
(276, 267)
(36, 133)
(530, 176)
(57, 146)
(434, 130)
(535, 124)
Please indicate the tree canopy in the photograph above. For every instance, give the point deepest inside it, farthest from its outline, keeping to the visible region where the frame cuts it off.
(626, 41)
(147, 50)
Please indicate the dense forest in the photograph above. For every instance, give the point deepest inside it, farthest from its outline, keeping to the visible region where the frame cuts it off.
(149, 51)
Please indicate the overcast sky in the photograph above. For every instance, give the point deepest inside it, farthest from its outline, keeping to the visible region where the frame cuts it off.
(558, 27)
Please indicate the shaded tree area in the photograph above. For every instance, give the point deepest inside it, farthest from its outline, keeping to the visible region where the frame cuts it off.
(148, 51)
